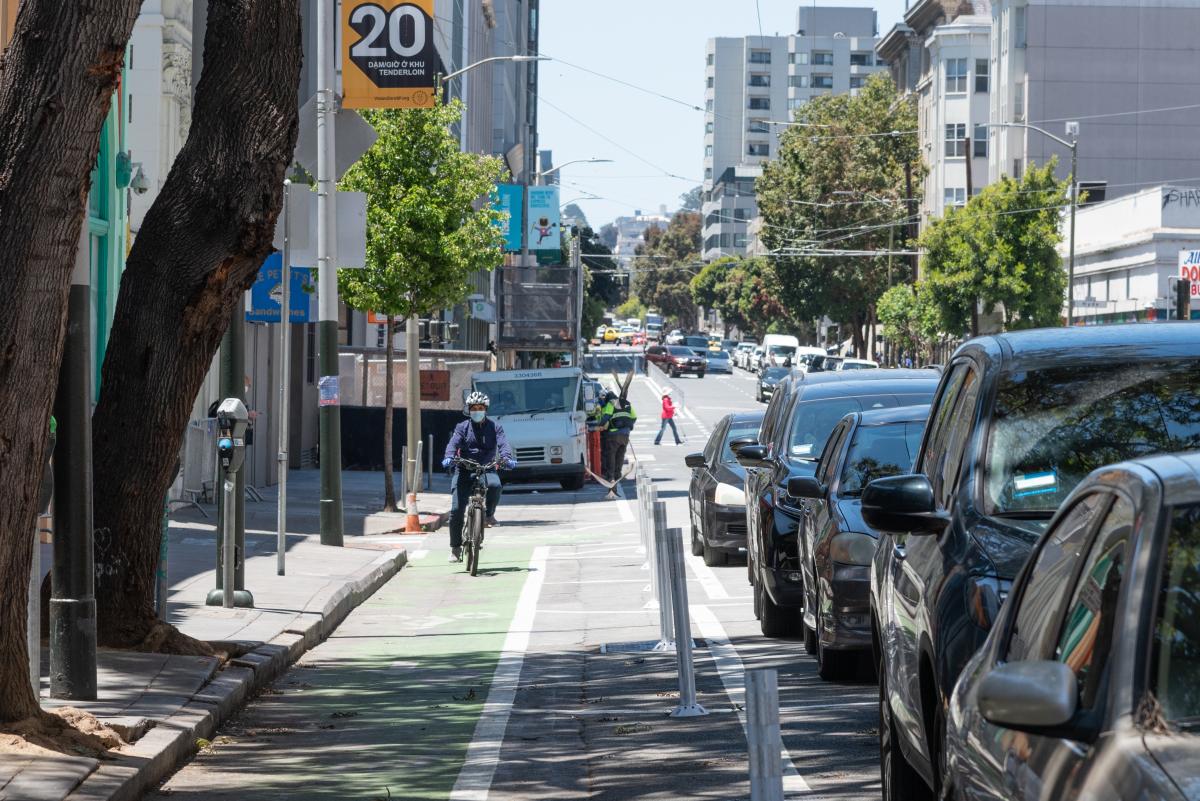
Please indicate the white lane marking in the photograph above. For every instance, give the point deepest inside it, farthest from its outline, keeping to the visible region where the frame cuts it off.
(733, 673)
(708, 579)
(625, 510)
(483, 754)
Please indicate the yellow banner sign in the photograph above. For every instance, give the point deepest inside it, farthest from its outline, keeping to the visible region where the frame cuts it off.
(388, 56)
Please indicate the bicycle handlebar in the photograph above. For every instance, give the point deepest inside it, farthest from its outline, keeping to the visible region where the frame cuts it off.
(476, 466)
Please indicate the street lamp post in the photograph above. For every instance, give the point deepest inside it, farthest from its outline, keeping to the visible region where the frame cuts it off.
(1072, 130)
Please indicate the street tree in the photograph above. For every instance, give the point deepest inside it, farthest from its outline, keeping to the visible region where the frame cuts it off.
(910, 318)
(665, 264)
(841, 187)
(692, 199)
(430, 228)
(999, 252)
(57, 78)
(198, 251)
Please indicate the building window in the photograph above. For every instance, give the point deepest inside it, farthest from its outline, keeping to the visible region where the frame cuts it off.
(800, 58)
(760, 103)
(822, 81)
(758, 149)
(981, 75)
(760, 79)
(821, 57)
(981, 142)
(760, 56)
(708, 173)
(709, 60)
(759, 126)
(799, 81)
(708, 151)
(708, 105)
(956, 133)
(861, 59)
(708, 127)
(955, 196)
(741, 214)
(856, 81)
(1019, 26)
(1019, 103)
(956, 75)
(1016, 173)
(709, 83)
(739, 240)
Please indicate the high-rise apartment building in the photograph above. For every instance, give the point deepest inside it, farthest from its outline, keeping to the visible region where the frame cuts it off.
(752, 84)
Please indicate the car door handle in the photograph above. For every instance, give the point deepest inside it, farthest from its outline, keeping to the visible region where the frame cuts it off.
(898, 551)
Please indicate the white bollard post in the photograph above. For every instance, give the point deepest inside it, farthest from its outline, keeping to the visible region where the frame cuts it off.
(688, 706)
(762, 735)
(662, 561)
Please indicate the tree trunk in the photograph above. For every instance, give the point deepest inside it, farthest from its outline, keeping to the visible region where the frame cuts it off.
(56, 83)
(389, 479)
(197, 253)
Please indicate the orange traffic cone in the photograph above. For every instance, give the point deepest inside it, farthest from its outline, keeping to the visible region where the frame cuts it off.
(413, 521)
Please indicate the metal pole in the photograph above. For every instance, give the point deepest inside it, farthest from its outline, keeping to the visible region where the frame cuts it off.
(283, 413)
(327, 298)
(429, 467)
(229, 558)
(666, 621)
(762, 735)
(577, 263)
(688, 706)
(416, 484)
(72, 598)
(404, 473)
(1074, 204)
(412, 362)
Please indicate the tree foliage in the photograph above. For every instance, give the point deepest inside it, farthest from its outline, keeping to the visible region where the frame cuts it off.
(840, 184)
(909, 318)
(744, 292)
(427, 232)
(692, 199)
(1000, 250)
(665, 266)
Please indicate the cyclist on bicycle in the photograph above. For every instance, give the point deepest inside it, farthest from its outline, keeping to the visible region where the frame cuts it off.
(480, 440)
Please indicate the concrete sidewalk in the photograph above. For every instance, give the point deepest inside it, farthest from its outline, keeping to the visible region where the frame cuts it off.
(168, 705)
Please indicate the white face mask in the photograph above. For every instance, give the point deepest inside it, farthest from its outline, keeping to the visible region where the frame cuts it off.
(477, 417)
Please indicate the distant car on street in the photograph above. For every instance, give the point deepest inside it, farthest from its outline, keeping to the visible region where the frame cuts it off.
(1086, 686)
(716, 500)
(675, 360)
(719, 362)
(857, 364)
(698, 344)
(676, 337)
(741, 355)
(767, 379)
(836, 544)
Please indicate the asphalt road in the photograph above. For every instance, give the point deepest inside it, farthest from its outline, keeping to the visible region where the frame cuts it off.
(532, 680)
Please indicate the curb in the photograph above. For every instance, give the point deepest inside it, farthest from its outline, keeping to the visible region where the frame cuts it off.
(172, 741)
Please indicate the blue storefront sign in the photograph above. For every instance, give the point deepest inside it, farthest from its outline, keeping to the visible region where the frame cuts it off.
(509, 202)
(267, 293)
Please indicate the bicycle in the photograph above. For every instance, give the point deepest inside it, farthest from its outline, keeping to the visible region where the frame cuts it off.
(474, 516)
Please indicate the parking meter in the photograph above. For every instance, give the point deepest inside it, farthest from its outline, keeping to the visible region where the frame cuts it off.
(232, 419)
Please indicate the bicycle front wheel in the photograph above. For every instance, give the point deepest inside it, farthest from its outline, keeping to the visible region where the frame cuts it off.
(474, 537)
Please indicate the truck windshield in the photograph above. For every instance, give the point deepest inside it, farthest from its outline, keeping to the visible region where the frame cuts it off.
(1051, 427)
(528, 395)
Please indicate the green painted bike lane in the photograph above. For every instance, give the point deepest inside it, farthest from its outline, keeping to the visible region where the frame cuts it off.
(388, 705)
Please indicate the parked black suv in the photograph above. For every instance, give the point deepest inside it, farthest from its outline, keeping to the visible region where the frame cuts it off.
(802, 413)
(1018, 421)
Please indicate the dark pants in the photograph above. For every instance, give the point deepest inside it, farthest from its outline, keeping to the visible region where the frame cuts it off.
(667, 421)
(617, 442)
(461, 487)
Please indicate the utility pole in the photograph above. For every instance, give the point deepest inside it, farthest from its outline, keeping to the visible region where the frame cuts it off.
(577, 264)
(285, 373)
(412, 363)
(1074, 134)
(72, 596)
(327, 299)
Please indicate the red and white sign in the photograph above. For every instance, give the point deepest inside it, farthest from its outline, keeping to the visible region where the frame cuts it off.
(1189, 269)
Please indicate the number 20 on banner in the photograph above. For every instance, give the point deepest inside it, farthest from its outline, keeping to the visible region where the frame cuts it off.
(388, 57)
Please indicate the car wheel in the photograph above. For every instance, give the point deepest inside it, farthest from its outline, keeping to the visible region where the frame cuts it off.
(757, 603)
(900, 782)
(759, 396)
(715, 558)
(749, 569)
(831, 665)
(674, 374)
(697, 543)
(572, 483)
(774, 621)
(700, 374)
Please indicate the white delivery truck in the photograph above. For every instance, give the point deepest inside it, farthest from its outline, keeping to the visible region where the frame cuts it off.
(544, 415)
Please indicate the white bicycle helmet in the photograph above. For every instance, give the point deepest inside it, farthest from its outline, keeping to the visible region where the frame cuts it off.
(476, 398)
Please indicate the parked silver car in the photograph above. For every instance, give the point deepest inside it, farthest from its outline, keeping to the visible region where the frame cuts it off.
(1088, 686)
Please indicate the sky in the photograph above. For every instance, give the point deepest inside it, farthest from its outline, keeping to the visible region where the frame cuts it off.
(658, 46)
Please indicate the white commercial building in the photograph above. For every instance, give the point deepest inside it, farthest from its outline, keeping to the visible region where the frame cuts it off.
(1127, 251)
(755, 81)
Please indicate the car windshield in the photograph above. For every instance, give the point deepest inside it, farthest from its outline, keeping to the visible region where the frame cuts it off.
(1175, 660)
(859, 366)
(680, 350)
(877, 452)
(736, 430)
(527, 395)
(813, 421)
(782, 350)
(1052, 427)
(775, 373)
(718, 355)
(696, 342)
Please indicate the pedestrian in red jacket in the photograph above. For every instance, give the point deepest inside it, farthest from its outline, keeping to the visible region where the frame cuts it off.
(668, 419)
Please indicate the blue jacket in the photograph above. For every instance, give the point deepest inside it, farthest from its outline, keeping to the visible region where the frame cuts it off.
(479, 443)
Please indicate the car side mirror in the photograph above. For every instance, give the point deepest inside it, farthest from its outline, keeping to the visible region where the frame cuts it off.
(805, 487)
(753, 455)
(1029, 695)
(695, 460)
(736, 445)
(903, 504)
